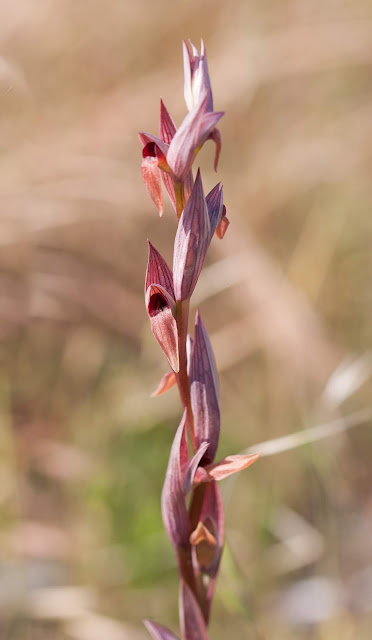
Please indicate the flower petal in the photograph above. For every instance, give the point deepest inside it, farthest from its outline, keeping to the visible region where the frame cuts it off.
(159, 306)
(151, 177)
(196, 76)
(230, 465)
(204, 391)
(167, 382)
(158, 632)
(191, 242)
(222, 225)
(192, 133)
(216, 137)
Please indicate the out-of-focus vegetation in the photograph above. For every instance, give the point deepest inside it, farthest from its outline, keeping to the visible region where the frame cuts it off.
(286, 297)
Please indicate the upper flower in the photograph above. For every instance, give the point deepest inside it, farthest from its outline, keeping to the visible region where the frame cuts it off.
(196, 76)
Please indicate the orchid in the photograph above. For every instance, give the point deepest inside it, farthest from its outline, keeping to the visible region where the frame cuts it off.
(172, 154)
(191, 504)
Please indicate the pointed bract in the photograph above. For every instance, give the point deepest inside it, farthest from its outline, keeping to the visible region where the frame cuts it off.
(191, 243)
(167, 128)
(192, 622)
(204, 392)
(215, 205)
(158, 632)
(160, 309)
(192, 466)
(173, 503)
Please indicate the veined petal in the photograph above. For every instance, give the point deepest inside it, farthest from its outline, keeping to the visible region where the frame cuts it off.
(167, 382)
(204, 391)
(167, 128)
(160, 310)
(191, 243)
(151, 177)
(230, 465)
(158, 632)
(173, 504)
(158, 271)
(196, 75)
(192, 622)
(186, 141)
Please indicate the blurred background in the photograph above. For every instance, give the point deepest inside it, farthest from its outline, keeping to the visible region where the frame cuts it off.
(286, 297)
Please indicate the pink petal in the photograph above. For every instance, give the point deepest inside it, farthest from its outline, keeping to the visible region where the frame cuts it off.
(167, 382)
(216, 137)
(230, 465)
(182, 149)
(158, 632)
(191, 243)
(223, 224)
(204, 392)
(192, 622)
(163, 324)
(158, 271)
(151, 177)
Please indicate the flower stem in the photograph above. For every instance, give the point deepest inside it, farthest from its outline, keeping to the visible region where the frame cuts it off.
(182, 316)
(180, 198)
